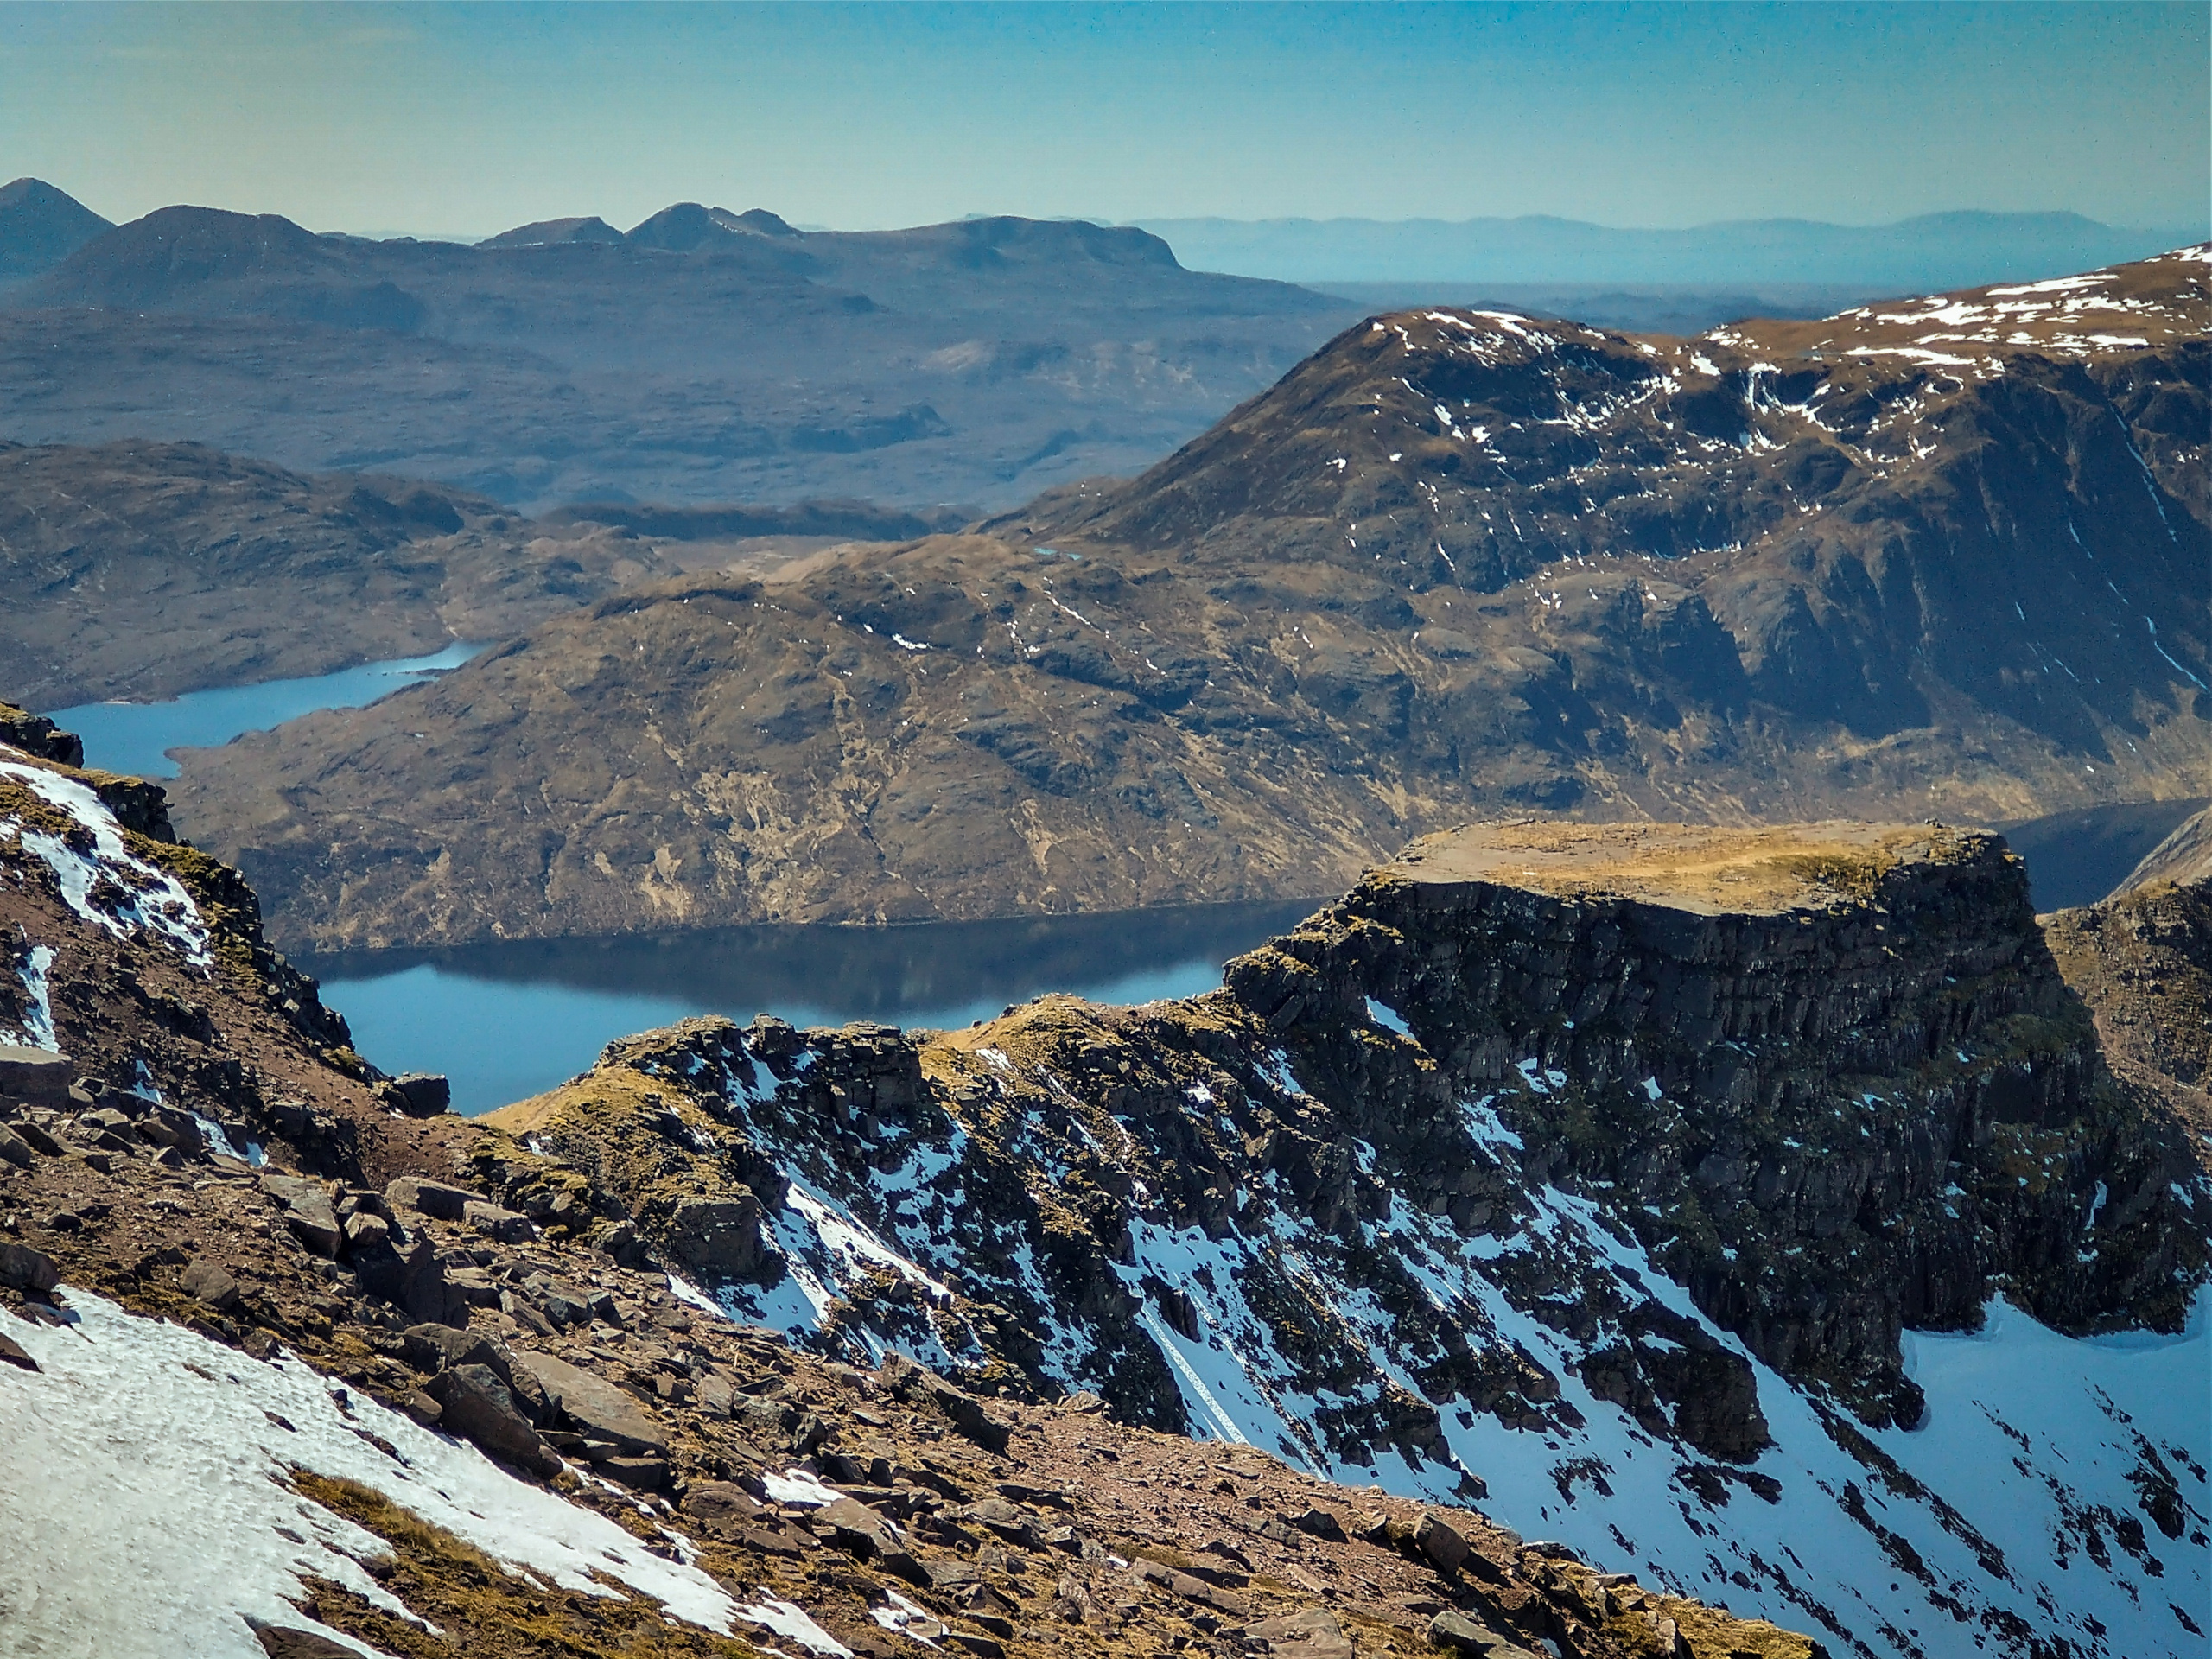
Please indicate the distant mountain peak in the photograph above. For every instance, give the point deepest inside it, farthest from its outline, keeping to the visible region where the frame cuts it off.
(40, 226)
(545, 233)
(687, 225)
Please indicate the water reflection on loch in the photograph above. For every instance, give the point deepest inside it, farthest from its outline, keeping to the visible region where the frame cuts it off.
(508, 1021)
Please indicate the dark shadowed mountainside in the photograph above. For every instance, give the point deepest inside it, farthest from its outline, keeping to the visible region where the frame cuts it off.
(1927, 560)
(40, 226)
(704, 356)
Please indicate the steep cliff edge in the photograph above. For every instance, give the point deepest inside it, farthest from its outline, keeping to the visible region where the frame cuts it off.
(1612, 1176)
(2142, 963)
(1829, 1075)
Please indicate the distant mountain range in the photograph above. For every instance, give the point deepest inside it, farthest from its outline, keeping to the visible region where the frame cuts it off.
(1914, 255)
(40, 226)
(706, 356)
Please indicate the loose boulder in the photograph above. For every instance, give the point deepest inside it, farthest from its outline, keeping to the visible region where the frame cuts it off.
(597, 1407)
(1441, 1542)
(24, 1268)
(496, 1222)
(1313, 1634)
(421, 1094)
(208, 1282)
(38, 1075)
(474, 1403)
(430, 1198)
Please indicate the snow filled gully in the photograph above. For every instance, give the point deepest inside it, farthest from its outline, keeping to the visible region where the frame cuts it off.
(143, 1482)
(2014, 1515)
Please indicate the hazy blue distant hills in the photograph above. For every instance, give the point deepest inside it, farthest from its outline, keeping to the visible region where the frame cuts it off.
(545, 231)
(1933, 251)
(705, 355)
(40, 226)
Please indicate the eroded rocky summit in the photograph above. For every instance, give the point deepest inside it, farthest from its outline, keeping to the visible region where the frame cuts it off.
(362, 1293)
(1920, 557)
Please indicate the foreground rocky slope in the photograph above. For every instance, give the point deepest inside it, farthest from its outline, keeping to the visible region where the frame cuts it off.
(1607, 1176)
(291, 1366)
(1911, 559)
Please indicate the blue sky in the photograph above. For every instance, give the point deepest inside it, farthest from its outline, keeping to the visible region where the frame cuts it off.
(465, 119)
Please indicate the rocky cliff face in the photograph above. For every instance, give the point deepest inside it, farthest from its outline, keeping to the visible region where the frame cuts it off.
(1908, 559)
(1607, 1175)
(2141, 962)
(2184, 857)
(229, 1250)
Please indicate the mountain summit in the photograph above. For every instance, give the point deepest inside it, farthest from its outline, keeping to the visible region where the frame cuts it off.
(40, 226)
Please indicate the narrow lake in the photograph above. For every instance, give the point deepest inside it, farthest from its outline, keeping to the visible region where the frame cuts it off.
(506, 1021)
(137, 737)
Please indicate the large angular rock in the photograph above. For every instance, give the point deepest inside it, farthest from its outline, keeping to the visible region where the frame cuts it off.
(916, 1385)
(474, 1403)
(1313, 1634)
(24, 1268)
(596, 1406)
(422, 1094)
(15, 1149)
(718, 1238)
(308, 1211)
(496, 1222)
(1188, 1585)
(38, 1075)
(412, 1278)
(433, 1347)
(431, 1198)
(1441, 1542)
(207, 1281)
(1457, 1633)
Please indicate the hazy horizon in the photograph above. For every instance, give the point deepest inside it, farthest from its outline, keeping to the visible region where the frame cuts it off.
(462, 121)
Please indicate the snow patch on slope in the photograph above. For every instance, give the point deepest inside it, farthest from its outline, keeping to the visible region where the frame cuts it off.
(143, 1470)
(1955, 1498)
(38, 1014)
(149, 899)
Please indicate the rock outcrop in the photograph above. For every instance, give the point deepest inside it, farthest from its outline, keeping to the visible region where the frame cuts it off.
(1541, 1130)
(2141, 962)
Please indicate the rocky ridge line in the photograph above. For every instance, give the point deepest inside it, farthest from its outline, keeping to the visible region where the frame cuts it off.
(195, 1143)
